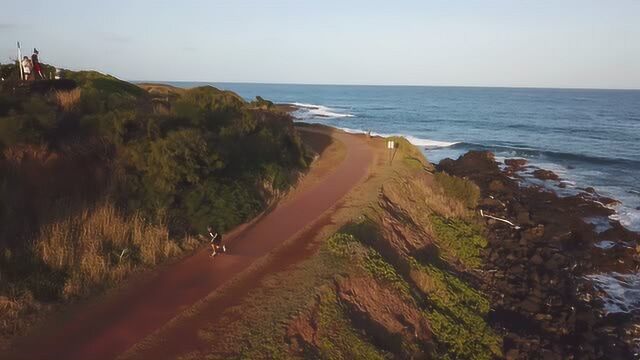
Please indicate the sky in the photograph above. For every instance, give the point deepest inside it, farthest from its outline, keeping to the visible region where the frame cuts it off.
(520, 43)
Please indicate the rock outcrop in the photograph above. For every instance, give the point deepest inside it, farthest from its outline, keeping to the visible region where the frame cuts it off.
(536, 271)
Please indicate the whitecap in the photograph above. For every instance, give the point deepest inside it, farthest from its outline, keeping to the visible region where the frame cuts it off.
(426, 143)
(307, 111)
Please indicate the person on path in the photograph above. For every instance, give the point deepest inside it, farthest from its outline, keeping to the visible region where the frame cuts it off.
(216, 241)
(37, 69)
(26, 68)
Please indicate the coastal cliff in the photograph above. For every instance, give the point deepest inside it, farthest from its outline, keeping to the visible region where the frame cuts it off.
(102, 179)
(408, 267)
(394, 272)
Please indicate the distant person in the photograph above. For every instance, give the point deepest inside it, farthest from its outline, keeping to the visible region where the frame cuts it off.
(216, 241)
(26, 68)
(37, 69)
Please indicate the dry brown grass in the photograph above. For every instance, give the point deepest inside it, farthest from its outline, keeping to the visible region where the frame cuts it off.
(161, 108)
(421, 199)
(95, 249)
(18, 311)
(67, 100)
(100, 247)
(15, 154)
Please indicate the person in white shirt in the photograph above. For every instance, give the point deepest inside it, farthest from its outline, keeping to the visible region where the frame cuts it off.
(26, 68)
(216, 241)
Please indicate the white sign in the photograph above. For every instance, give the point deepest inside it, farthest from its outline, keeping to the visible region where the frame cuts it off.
(390, 145)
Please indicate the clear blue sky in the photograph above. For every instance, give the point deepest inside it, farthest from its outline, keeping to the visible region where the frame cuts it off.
(543, 43)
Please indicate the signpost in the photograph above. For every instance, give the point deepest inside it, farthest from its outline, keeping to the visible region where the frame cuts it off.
(393, 147)
(20, 62)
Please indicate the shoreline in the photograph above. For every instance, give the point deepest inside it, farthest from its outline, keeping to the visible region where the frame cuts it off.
(568, 250)
(545, 256)
(573, 178)
(540, 272)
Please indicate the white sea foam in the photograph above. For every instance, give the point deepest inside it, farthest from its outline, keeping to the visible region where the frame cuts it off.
(622, 291)
(357, 131)
(605, 244)
(314, 111)
(429, 144)
(626, 210)
(628, 217)
(426, 143)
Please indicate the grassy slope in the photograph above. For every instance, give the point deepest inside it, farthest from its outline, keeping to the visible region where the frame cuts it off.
(434, 212)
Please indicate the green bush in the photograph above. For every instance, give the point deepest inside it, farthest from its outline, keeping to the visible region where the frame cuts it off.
(34, 124)
(261, 103)
(458, 188)
(208, 158)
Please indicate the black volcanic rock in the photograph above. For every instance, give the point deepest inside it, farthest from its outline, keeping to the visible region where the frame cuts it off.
(536, 274)
(542, 174)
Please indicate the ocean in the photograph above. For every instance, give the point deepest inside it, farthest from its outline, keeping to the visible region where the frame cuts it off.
(590, 138)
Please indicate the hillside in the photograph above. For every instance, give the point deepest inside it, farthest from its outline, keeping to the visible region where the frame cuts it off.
(372, 255)
(100, 178)
(407, 267)
(391, 272)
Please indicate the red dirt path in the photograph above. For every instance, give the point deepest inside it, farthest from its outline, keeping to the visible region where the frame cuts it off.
(106, 330)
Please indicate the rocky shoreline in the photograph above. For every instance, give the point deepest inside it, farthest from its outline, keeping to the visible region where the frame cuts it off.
(538, 264)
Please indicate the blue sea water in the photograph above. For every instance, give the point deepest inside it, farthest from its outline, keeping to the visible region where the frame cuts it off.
(589, 137)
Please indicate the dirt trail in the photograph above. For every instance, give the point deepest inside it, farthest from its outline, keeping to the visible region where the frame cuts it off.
(106, 330)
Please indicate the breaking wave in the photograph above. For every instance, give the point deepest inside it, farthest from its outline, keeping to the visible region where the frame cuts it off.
(308, 111)
(426, 143)
(557, 155)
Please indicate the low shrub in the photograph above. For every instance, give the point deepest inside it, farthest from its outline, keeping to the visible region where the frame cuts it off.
(461, 189)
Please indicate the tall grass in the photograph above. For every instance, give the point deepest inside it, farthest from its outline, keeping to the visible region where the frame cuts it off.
(99, 247)
(67, 100)
(424, 200)
(461, 189)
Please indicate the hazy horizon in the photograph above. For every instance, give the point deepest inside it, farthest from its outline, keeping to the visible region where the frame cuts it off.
(169, 82)
(494, 43)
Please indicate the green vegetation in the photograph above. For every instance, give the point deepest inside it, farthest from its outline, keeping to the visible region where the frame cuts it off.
(456, 313)
(369, 260)
(440, 211)
(99, 178)
(409, 155)
(339, 339)
(307, 312)
(459, 240)
(104, 84)
(259, 102)
(460, 189)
